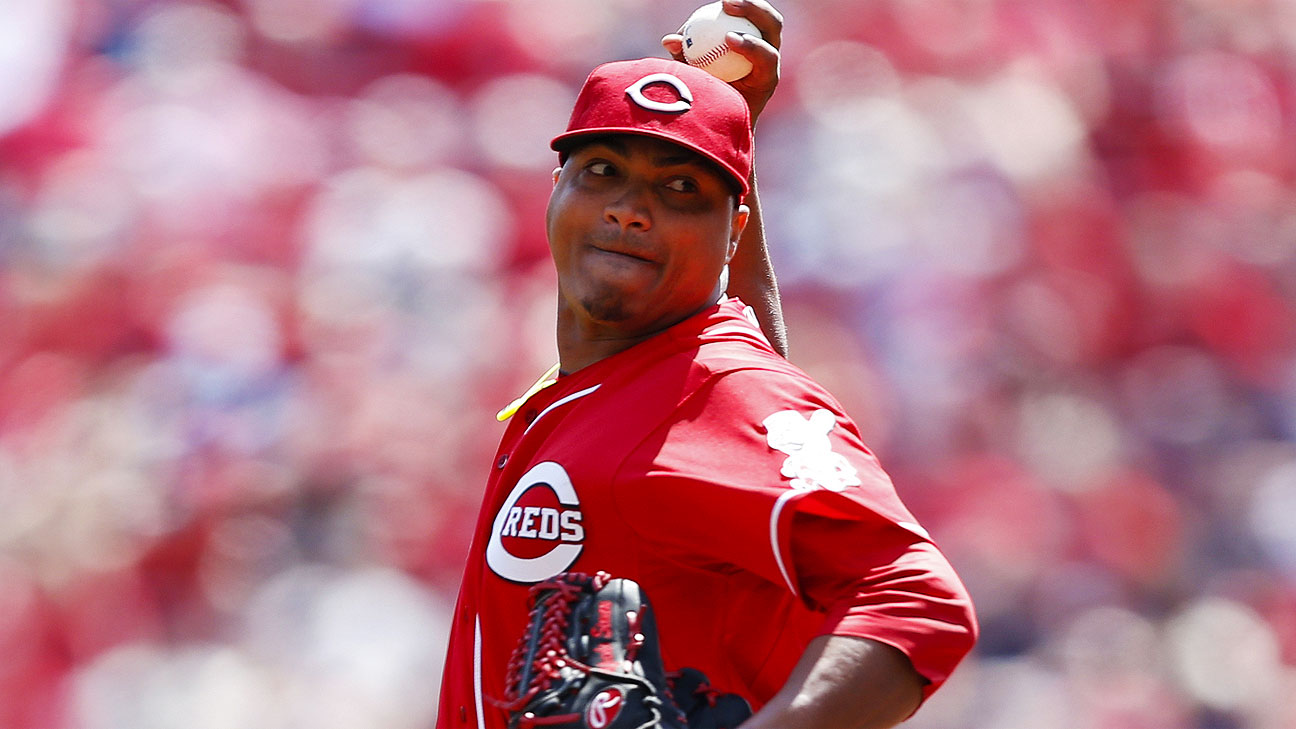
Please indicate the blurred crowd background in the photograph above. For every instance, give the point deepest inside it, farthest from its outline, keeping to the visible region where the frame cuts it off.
(268, 268)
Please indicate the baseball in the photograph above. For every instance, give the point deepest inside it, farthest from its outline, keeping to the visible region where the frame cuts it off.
(704, 44)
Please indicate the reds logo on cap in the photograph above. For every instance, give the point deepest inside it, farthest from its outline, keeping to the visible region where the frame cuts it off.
(537, 531)
(682, 104)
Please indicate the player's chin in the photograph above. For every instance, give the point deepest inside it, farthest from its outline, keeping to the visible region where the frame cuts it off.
(617, 284)
(606, 306)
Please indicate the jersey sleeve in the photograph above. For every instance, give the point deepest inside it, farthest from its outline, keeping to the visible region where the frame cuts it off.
(890, 587)
(761, 471)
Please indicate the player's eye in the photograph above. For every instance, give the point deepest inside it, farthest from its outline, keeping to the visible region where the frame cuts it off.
(683, 184)
(601, 168)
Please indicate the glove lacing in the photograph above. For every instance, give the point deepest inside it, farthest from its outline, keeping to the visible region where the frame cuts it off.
(550, 652)
(551, 655)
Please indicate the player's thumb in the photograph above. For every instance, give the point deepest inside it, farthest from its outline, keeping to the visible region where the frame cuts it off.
(674, 45)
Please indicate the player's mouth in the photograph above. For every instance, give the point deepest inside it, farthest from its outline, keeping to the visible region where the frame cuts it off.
(622, 252)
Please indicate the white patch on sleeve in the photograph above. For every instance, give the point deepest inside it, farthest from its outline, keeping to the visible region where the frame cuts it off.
(811, 462)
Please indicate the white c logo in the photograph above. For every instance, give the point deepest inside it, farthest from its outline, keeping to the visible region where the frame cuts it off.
(570, 532)
(683, 103)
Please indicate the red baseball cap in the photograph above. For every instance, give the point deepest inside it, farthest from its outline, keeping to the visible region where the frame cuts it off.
(663, 98)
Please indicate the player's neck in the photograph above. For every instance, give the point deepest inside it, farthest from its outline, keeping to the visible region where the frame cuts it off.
(582, 343)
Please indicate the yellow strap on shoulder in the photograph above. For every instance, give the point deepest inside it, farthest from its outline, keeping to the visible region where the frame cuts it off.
(545, 380)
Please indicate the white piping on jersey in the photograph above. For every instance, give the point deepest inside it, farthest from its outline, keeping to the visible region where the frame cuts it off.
(915, 528)
(729, 329)
(562, 401)
(774, 540)
(477, 681)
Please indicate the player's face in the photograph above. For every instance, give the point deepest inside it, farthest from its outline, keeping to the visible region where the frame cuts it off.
(640, 230)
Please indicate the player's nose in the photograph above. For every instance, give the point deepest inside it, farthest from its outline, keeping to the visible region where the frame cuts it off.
(629, 208)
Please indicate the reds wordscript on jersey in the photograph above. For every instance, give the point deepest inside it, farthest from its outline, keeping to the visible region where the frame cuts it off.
(538, 530)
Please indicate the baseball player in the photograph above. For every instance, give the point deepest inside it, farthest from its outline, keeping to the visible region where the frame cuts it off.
(676, 447)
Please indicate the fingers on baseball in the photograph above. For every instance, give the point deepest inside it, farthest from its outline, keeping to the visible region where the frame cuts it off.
(762, 55)
(762, 15)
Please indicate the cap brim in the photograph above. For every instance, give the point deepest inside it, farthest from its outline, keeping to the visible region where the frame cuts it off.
(563, 142)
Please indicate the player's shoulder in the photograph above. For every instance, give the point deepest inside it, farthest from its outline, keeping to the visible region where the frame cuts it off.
(732, 340)
(754, 379)
(721, 357)
(724, 351)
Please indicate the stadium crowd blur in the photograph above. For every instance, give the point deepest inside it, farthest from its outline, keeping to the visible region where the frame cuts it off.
(268, 268)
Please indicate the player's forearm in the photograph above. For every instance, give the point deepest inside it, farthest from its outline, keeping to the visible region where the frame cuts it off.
(751, 276)
(842, 682)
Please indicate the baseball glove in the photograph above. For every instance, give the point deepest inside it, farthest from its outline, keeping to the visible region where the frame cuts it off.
(589, 659)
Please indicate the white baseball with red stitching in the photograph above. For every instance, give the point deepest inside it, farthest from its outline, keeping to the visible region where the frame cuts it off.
(704, 44)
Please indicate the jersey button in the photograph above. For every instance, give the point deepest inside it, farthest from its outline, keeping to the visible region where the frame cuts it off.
(501, 461)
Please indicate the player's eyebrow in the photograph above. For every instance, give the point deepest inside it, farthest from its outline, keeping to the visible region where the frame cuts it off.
(671, 155)
(668, 157)
(612, 143)
(682, 158)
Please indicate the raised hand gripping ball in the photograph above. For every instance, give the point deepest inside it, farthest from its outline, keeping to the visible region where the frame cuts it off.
(704, 44)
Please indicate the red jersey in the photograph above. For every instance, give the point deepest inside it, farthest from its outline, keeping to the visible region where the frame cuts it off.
(733, 488)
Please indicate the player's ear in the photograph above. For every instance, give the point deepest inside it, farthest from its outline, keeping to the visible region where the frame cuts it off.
(741, 215)
(556, 172)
